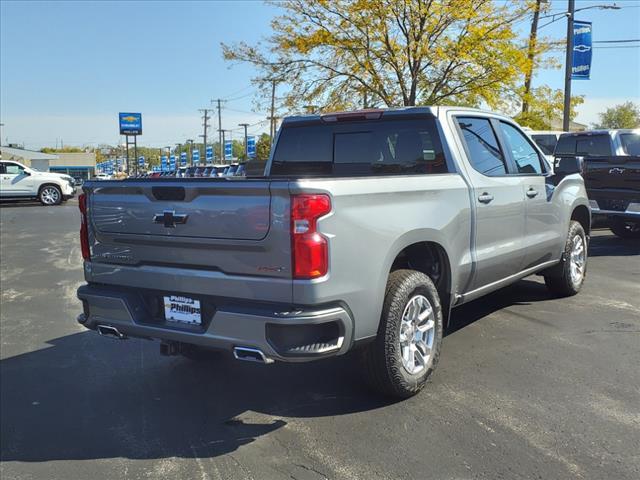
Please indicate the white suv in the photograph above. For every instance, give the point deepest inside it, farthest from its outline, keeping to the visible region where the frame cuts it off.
(19, 181)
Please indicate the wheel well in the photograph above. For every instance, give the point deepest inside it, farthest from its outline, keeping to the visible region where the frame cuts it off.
(582, 216)
(49, 185)
(431, 259)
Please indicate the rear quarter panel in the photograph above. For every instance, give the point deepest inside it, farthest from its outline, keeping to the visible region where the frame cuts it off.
(372, 220)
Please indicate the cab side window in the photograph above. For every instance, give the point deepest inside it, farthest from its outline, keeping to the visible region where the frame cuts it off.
(482, 146)
(524, 155)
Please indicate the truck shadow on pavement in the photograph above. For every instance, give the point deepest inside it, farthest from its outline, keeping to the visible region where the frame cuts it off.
(85, 397)
(613, 246)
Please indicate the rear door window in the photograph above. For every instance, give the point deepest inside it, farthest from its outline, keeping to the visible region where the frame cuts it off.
(524, 155)
(383, 147)
(482, 146)
(630, 143)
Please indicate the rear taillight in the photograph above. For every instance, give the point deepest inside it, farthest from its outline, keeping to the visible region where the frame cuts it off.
(84, 232)
(309, 249)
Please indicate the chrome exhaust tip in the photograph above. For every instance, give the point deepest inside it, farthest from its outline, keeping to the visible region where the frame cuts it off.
(249, 354)
(109, 331)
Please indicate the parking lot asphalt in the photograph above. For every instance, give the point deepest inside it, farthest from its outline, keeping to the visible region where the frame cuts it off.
(528, 387)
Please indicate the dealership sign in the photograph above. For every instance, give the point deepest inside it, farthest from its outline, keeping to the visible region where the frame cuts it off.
(130, 123)
(581, 67)
(251, 147)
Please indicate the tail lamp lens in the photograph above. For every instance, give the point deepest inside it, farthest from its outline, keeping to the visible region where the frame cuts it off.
(84, 231)
(309, 249)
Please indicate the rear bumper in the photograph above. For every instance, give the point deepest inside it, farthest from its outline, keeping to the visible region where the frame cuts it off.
(631, 212)
(280, 332)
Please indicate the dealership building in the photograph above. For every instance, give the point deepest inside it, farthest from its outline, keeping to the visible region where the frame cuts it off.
(78, 165)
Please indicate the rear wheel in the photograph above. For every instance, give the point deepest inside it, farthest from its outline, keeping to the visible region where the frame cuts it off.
(625, 229)
(407, 347)
(567, 278)
(50, 195)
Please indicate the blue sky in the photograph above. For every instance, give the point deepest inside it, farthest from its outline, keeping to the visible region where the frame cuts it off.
(67, 68)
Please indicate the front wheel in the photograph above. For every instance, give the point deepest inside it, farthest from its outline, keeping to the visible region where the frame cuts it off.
(406, 350)
(568, 277)
(50, 195)
(625, 229)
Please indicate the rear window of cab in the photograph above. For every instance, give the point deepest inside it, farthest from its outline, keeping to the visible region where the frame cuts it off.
(360, 148)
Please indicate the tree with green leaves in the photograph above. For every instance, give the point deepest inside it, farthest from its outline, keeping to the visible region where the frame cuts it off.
(343, 54)
(544, 106)
(624, 115)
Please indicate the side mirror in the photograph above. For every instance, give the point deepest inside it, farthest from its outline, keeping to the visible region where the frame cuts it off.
(26, 172)
(568, 166)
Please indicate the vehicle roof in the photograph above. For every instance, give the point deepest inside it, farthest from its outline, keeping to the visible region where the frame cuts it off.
(396, 111)
(546, 132)
(603, 131)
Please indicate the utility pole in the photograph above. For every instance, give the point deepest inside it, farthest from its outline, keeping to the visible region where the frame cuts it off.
(2, 125)
(533, 38)
(272, 127)
(220, 133)
(246, 148)
(568, 66)
(205, 126)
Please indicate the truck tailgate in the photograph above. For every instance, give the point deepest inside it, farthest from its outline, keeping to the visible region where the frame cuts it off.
(613, 182)
(223, 234)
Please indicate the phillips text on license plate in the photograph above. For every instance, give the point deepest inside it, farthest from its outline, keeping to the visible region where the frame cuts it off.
(182, 309)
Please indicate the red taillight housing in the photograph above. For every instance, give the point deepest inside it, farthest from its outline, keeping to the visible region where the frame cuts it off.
(84, 232)
(309, 249)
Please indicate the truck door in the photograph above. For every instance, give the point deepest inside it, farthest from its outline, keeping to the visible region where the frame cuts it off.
(498, 198)
(544, 236)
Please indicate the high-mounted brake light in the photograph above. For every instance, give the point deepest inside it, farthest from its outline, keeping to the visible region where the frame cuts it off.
(84, 231)
(309, 249)
(369, 114)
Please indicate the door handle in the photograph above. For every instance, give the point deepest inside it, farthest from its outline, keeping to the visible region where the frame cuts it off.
(485, 198)
(531, 193)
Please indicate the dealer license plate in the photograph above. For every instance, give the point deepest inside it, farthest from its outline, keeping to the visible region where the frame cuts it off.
(182, 310)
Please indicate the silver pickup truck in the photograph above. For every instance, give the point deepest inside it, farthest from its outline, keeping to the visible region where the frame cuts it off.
(365, 230)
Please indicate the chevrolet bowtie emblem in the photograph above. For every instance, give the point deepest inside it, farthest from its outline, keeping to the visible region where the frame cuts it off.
(617, 170)
(170, 218)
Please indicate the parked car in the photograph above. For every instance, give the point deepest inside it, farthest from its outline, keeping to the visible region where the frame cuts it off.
(240, 171)
(546, 140)
(368, 228)
(612, 175)
(230, 171)
(18, 181)
(102, 176)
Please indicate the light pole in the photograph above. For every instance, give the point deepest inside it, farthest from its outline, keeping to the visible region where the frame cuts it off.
(190, 142)
(246, 147)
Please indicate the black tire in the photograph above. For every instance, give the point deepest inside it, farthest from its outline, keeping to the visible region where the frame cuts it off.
(624, 229)
(382, 360)
(50, 195)
(559, 280)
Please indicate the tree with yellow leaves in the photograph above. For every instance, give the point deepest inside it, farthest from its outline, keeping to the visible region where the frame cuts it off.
(342, 54)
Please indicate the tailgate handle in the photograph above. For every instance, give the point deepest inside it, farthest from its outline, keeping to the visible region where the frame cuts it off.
(170, 218)
(168, 193)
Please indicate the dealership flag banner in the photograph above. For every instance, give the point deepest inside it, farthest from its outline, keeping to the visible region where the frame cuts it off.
(195, 155)
(581, 68)
(251, 147)
(183, 158)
